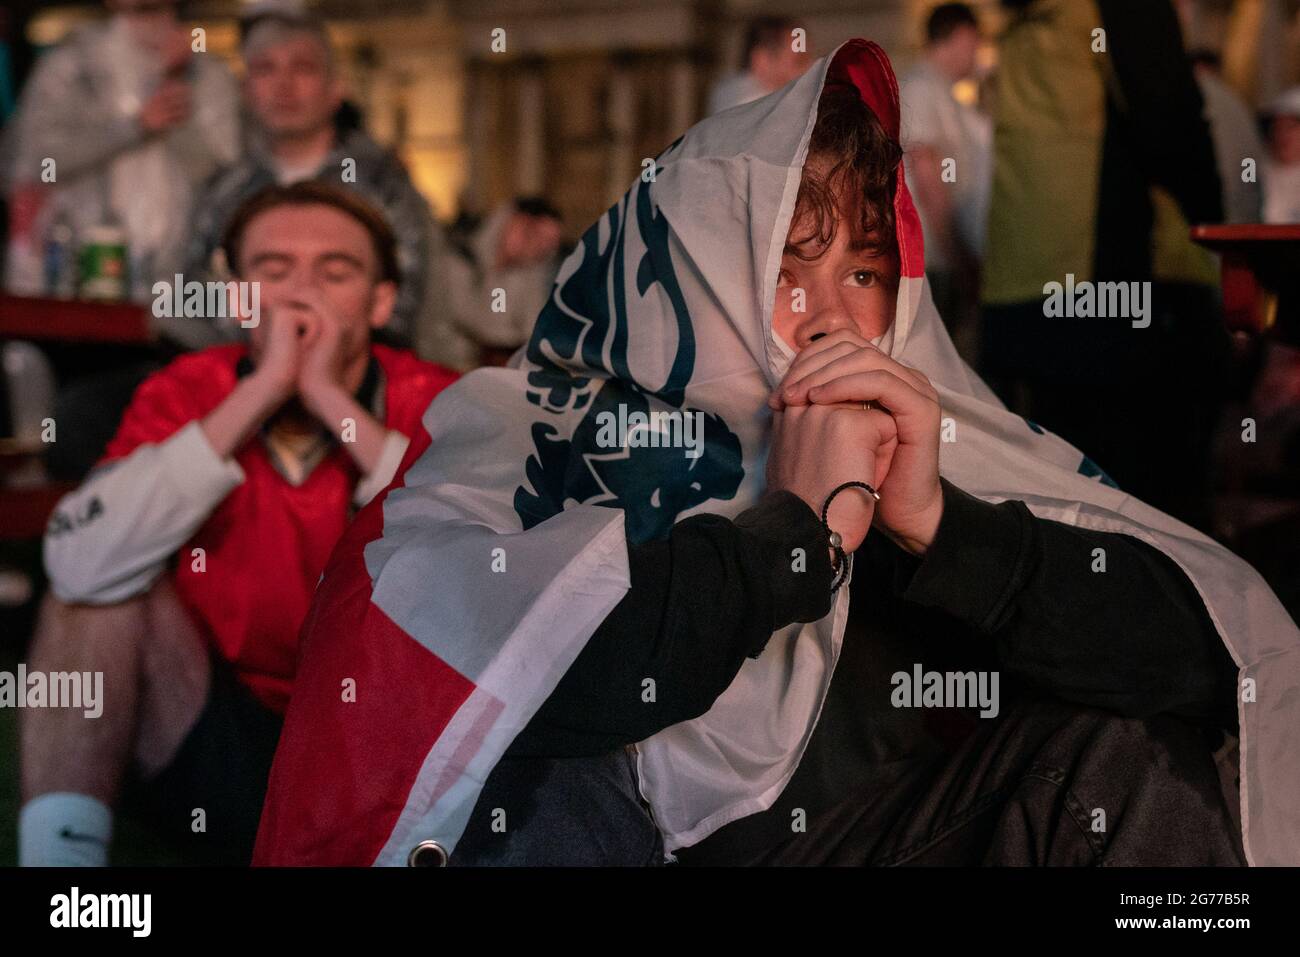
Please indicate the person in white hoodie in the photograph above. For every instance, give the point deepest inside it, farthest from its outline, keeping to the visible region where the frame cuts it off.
(125, 118)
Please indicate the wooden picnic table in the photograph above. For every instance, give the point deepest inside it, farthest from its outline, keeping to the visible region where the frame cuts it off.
(73, 320)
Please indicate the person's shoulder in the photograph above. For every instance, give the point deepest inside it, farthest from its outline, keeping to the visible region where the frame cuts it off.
(202, 374)
(404, 367)
(220, 195)
(411, 384)
(186, 389)
(921, 80)
(377, 165)
(360, 145)
(234, 178)
(80, 52)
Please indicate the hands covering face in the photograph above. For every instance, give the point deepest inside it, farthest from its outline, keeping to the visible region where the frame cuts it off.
(305, 345)
(895, 448)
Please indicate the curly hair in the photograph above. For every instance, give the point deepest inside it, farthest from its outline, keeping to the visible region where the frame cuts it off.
(850, 174)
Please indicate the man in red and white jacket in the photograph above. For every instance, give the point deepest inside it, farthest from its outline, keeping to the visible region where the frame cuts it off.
(244, 464)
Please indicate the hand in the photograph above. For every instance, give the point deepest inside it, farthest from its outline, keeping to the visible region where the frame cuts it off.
(277, 367)
(845, 368)
(322, 367)
(169, 106)
(816, 448)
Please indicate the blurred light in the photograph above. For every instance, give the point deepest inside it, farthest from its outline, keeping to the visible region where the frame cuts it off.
(51, 26)
(966, 92)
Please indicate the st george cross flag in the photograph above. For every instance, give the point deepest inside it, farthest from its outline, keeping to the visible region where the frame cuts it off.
(453, 606)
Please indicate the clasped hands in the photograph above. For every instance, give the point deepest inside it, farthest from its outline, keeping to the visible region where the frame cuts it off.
(822, 437)
(304, 350)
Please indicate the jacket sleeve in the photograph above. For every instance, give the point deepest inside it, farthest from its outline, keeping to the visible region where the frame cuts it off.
(1099, 618)
(111, 538)
(701, 601)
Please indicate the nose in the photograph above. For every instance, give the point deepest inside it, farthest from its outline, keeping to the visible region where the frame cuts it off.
(827, 312)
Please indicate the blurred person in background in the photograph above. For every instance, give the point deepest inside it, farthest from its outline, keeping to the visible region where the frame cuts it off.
(948, 149)
(182, 568)
(117, 125)
(8, 95)
(1236, 138)
(498, 276)
(770, 61)
(1282, 169)
(1102, 157)
(293, 91)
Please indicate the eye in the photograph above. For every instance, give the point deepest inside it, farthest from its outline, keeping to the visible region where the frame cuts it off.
(273, 273)
(339, 273)
(864, 278)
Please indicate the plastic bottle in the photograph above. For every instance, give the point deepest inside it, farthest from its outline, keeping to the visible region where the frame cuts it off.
(104, 260)
(60, 259)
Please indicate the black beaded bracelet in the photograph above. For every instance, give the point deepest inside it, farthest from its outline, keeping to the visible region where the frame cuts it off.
(843, 563)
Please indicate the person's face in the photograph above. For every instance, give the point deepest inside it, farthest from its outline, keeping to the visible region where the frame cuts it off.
(149, 22)
(842, 288)
(777, 67)
(1284, 139)
(528, 239)
(961, 48)
(290, 88)
(291, 248)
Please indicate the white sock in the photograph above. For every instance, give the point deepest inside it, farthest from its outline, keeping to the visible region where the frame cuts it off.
(63, 829)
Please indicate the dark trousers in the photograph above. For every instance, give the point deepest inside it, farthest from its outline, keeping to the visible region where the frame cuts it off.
(561, 812)
(1048, 783)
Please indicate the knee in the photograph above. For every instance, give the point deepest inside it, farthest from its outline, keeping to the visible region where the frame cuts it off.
(64, 624)
(1164, 744)
(55, 612)
(1155, 775)
(1114, 757)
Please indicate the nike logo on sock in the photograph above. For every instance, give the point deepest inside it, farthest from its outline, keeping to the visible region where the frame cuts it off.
(69, 835)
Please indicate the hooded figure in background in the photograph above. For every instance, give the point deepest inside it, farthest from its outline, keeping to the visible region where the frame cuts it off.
(619, 551)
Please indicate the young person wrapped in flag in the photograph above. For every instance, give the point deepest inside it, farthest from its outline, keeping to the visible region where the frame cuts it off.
(553, 644)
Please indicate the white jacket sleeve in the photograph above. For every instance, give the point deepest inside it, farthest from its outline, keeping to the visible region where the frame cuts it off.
(110, 539)
(389, 459)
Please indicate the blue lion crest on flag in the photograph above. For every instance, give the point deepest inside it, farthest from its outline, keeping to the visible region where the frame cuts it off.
(585, 320)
